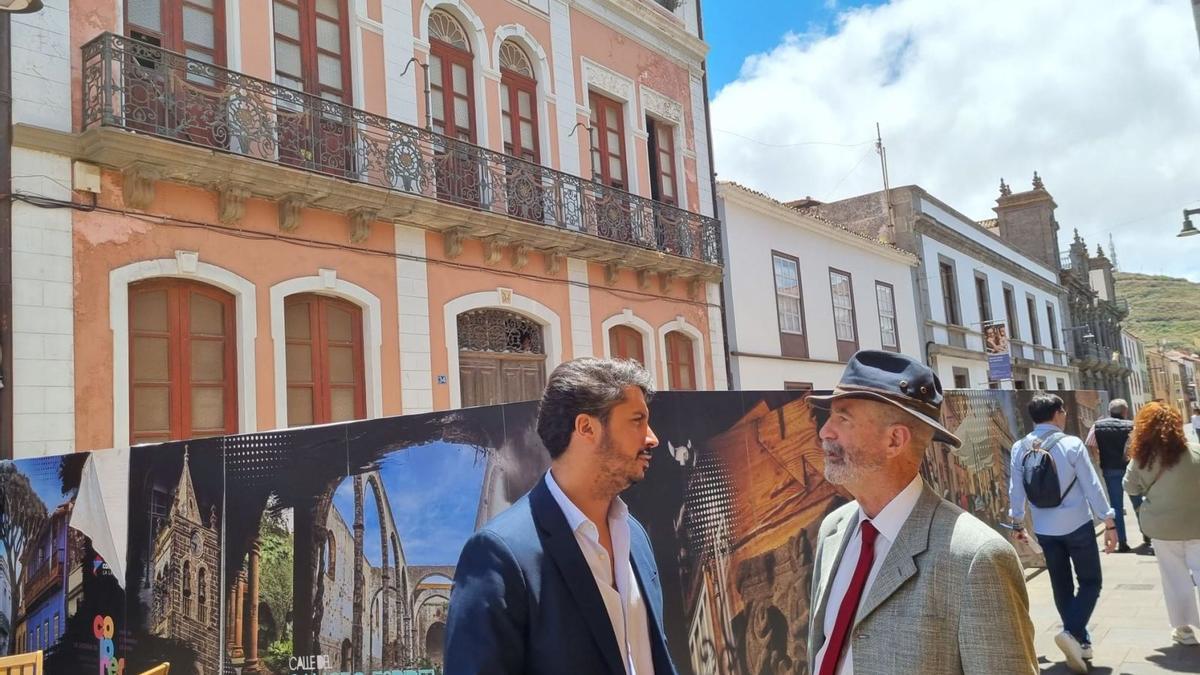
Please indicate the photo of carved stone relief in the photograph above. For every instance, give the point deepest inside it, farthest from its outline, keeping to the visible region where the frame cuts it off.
(748, 497)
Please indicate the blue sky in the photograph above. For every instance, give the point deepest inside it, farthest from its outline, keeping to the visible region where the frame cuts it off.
(434, 494)
(733, 33)
(967, 93)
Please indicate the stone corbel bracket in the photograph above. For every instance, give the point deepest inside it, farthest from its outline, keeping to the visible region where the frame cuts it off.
(520, 256)
(493, 248)
(554, 259)
(360, 224)
(612, 272)
(231, 203)
(289, 211)
(137, 189)
(643, 278)
(694, 286)
(665, 281)
(452, 242)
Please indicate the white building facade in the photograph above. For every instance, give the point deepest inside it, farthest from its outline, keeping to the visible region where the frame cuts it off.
(802, 294)
(1139, 377)
(968, 277)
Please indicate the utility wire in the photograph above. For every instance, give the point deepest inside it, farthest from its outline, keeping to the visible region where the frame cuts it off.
(794, 145)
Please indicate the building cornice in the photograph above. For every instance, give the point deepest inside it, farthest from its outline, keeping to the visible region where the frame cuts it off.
(772, 208)
(929, 226)
(653, 27)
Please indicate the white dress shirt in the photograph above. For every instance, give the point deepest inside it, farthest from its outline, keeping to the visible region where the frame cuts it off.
(888, 524)
(622, 597)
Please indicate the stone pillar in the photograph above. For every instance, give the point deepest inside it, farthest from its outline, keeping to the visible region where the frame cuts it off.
(251, 639)
(383, 593)
(360, 581)
(239, 609)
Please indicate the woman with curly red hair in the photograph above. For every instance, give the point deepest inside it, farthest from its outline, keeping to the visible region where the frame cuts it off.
(1165, 471)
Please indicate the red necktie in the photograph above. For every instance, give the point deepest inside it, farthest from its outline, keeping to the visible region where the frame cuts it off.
(845, 615)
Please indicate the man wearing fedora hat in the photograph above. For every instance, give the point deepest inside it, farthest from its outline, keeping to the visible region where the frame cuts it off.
(904, 581)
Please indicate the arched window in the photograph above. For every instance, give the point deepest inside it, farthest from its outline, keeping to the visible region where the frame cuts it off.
(625, 342)
(187, 588)
(502, 357)
(324, 354)
(202, 596)
(451, 77)
(518, 103)
(183, 361)
(330, 556)
(681, 368)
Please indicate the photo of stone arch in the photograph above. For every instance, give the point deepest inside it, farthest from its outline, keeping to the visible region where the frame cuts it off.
(342, 540)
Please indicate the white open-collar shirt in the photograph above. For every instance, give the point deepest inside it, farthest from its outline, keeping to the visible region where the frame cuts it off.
(622, 597)
(888, 523)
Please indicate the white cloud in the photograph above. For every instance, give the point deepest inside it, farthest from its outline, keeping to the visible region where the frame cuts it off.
(1103, 100)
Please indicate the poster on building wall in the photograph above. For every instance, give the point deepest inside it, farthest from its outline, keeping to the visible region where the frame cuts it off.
(332, 549)
(996, 345)
(341, 556)
(173, 572)
(57, 594)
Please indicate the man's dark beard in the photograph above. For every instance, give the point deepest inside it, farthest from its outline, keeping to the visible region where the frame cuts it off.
(616, 481)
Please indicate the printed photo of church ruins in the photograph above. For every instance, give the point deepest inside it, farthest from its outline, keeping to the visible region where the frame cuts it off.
(386, 562)
(341, 540)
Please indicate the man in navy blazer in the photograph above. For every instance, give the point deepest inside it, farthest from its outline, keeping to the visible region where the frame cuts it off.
(564, 580)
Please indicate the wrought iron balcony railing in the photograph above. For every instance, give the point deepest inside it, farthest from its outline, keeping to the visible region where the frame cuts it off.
(46, 574)
(138, 87)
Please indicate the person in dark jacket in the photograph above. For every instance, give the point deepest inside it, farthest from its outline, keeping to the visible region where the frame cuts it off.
(564, 580)
(1110, 436)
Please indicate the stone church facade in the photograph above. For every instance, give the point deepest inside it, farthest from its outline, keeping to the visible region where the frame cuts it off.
(186, 557)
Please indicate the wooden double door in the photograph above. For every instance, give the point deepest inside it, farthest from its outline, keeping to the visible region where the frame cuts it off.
(489, 378)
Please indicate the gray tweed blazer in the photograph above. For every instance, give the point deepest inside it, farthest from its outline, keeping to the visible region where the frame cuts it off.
(950, 597)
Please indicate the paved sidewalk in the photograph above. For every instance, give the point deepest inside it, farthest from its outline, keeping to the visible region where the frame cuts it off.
(1130, 631)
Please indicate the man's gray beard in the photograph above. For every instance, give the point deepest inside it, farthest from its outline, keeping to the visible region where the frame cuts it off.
(845, 472)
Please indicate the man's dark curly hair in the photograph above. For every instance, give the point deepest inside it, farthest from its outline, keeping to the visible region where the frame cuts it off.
(585, 386)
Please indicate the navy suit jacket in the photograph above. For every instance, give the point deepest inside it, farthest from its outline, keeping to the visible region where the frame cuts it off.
(525, 600)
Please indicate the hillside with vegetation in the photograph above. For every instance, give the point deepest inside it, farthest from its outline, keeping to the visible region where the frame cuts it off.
(1163, 308)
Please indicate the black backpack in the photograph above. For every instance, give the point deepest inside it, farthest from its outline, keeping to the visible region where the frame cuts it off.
(1040, 476)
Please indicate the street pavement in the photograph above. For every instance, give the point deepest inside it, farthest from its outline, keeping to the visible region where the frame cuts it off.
(1130, 631)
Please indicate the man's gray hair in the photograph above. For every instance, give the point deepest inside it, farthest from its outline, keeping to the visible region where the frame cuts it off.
(1118, 407)
(585, 386)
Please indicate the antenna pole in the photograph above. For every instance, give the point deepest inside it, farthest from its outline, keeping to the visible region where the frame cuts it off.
(888, 235)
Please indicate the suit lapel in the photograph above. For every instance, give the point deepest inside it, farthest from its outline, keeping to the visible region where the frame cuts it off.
(563, 549)
(899, 565)
(836, 541)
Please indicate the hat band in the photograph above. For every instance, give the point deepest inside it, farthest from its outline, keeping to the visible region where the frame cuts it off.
(907, 401)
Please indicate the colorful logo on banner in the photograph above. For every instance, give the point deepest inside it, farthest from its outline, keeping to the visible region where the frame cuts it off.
(999, 356)
(104, 629)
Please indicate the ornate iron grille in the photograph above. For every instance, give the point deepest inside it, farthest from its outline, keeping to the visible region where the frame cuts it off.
(139, 87)
(495, 330)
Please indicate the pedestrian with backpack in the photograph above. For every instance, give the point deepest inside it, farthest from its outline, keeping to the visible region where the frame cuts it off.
(1054, 472)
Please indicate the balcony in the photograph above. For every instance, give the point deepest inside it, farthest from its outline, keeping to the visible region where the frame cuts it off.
(45, 576)
(156, 113)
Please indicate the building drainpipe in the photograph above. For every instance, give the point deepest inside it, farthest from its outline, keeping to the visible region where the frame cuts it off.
(6, 258)
(712, 177)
